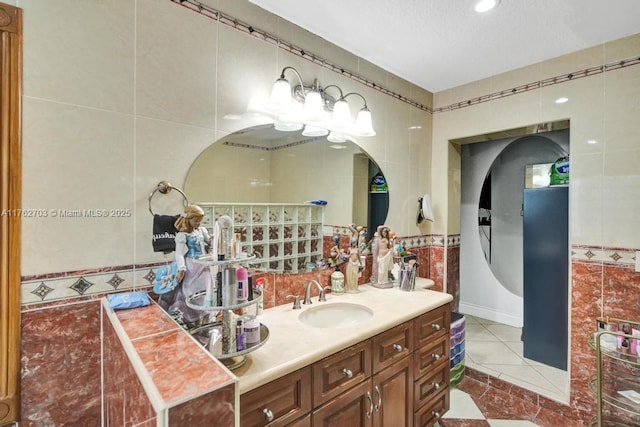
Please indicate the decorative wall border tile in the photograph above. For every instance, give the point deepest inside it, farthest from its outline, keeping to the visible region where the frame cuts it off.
(610, 256)
(63, 286)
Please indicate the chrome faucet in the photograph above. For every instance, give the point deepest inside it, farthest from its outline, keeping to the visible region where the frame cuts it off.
(307, 292)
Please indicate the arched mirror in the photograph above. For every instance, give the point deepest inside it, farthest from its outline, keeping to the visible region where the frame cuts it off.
(263, 165)
(523, 163)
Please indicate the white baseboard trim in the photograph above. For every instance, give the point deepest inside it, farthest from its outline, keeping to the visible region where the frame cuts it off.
(490, 313)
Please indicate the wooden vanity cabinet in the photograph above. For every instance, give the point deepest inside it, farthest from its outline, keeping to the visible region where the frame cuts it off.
(399, 377)
(279, 403)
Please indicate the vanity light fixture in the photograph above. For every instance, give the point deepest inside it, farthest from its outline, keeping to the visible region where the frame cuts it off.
(321, 113)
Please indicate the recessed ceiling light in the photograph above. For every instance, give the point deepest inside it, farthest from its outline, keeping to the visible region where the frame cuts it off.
(486, 5)
(415, 127)
(338, 147)
(562, 100)
(592, 141)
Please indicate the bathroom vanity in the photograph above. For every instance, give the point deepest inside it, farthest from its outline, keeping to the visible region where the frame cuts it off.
(391, 369)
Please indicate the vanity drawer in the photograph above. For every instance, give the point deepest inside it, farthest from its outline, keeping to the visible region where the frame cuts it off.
(341, 371)
(279, 402)
(432, 411)
(431, 356)
(392, 345)
(427, 386)
(431, 325)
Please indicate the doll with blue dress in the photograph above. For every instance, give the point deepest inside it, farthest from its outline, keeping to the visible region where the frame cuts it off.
(192, 241)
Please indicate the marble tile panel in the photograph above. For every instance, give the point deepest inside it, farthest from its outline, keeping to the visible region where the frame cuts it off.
(60, 348)
(453, 275)
(125, 401)
(145, 321)
(437, 267)
(178, 374)
(216, 407)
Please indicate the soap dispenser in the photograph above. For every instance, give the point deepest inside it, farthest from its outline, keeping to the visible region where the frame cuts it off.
(337, 282)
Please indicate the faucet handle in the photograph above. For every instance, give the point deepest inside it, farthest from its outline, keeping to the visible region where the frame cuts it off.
(296, 303)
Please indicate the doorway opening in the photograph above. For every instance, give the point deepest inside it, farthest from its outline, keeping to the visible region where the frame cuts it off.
(492, 251)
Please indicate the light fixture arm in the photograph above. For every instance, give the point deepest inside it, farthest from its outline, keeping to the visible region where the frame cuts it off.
(296, 73)
(356, 93)
(339, 90)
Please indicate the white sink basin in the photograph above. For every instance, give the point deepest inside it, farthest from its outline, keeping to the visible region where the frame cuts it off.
(337, 315)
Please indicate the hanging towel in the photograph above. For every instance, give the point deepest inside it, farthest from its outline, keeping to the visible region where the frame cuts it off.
(164, 233)
(425, 210)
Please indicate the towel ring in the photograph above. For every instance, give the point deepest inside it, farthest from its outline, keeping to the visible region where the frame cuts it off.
(165, 187)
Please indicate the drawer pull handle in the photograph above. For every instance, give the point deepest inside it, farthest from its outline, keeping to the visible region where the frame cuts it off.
(436, 385)
(347, 373)
(436, 414)
(370, 411)
(436, 326)
(436, 356)
(377, 390)
(268, 415)
(398, 348)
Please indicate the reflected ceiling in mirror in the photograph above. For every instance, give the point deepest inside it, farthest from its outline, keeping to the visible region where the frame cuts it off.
(263, 165)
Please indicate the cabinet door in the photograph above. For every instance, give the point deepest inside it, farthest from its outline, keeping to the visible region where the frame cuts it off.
(351, 409)
(392, 345)
(431, 325)
(392, 395)
(279, 402)
(341, 371)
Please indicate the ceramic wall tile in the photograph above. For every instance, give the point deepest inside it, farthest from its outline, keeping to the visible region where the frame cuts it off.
(82, 208)
(68, 59)
(586, 198)
(176, 84)
(621, 179)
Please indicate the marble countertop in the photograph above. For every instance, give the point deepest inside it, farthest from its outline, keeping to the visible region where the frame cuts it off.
(293, 345)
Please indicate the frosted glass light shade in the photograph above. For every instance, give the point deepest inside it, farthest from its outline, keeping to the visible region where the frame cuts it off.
(314, 131)
(287, 126)
(364, 124)
(341, 117)
(280, 99)
(336, 137)
(313, 108)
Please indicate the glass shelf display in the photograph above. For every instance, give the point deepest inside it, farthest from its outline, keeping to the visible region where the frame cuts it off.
(227, 350)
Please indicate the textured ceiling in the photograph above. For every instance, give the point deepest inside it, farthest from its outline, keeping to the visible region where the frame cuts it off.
(439, 44)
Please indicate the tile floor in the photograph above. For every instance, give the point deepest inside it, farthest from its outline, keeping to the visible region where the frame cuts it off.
(496, 349)
(464, 412)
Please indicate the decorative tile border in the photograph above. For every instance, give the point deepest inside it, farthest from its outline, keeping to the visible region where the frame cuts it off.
(611, 256)
(63, 286)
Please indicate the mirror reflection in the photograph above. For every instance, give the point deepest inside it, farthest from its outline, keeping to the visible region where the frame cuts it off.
(263, 165)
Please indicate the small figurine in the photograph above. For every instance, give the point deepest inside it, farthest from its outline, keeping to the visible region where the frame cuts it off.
(354, 267)
(385, 260)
